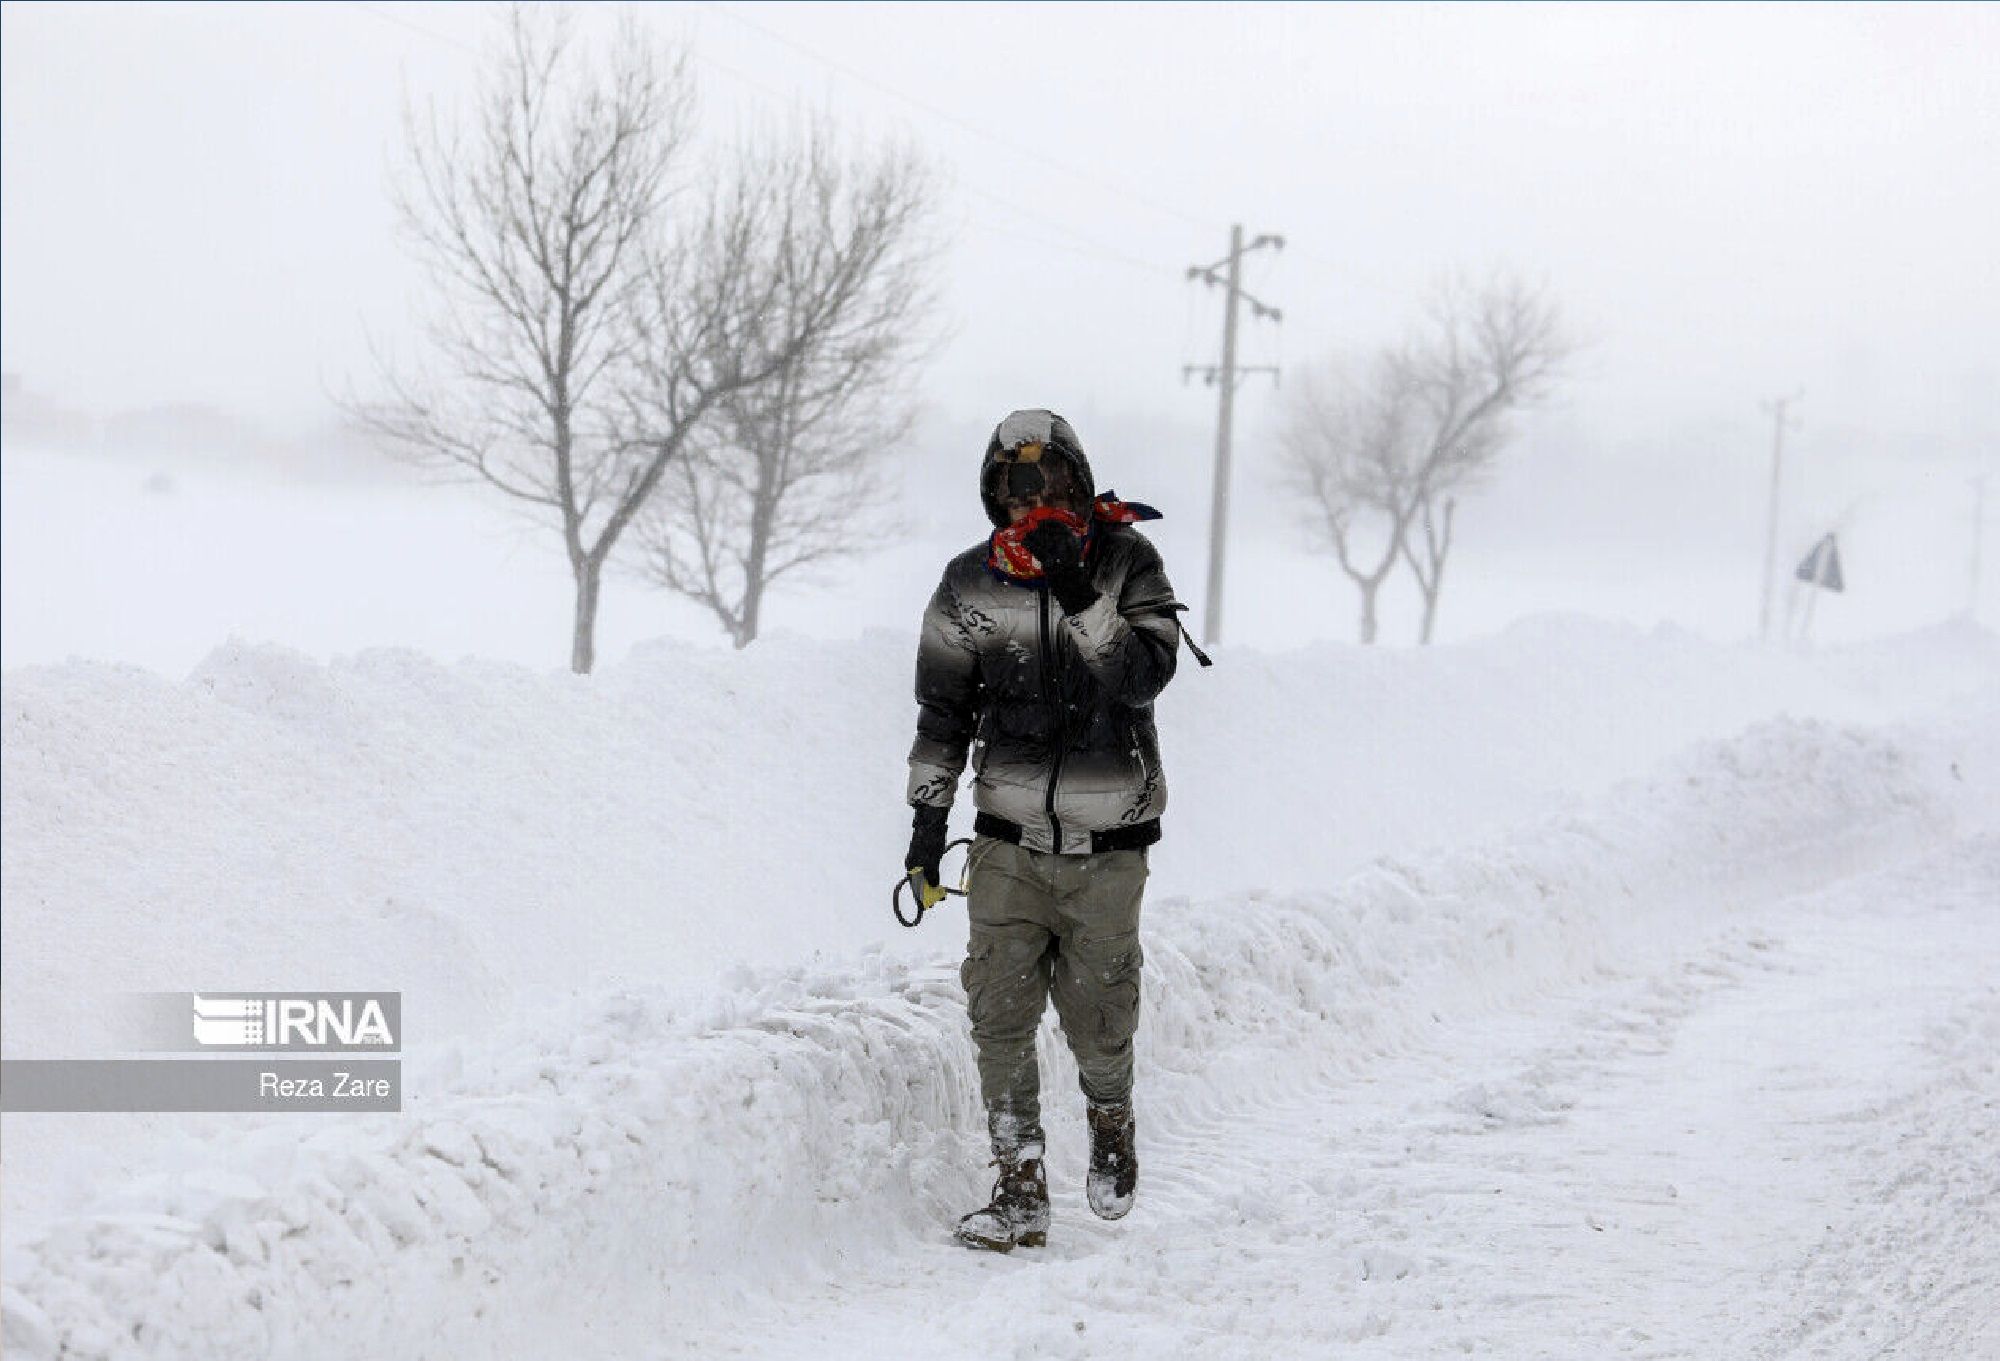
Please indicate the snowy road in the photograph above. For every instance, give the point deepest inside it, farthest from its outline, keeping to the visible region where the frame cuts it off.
(1783, 1141)
(1706, 1069)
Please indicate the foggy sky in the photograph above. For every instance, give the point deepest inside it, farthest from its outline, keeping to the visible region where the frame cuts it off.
(1731, 203)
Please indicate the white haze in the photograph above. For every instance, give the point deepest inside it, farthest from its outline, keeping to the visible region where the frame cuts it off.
(1731, 203)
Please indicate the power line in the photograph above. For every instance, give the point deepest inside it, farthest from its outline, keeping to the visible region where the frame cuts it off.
(376, 11)
(1312, 257)
(387, 17)
(1084, 247)
(1083, 244)
(1095, 178)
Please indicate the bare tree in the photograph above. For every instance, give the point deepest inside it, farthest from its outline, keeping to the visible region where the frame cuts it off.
(842, 246)
(534, 225)
(1350, 446)
(1380, 450)
(1486, 354)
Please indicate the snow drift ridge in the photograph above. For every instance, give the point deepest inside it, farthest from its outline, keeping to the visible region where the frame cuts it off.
(612, 1148)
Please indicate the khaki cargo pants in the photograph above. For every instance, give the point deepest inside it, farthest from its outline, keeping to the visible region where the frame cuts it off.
(1042, 924)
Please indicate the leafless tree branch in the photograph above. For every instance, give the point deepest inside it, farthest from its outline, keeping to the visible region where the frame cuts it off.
(534, 221)
(836, 248)
(1486, 354)
(1351, 451)
(1378, 449)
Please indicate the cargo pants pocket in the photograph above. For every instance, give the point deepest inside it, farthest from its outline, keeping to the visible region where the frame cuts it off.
(1113, 966)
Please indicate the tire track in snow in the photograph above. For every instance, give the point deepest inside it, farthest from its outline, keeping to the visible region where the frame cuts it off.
(628, 1170)
(1908, 1263)
(1494, 1196)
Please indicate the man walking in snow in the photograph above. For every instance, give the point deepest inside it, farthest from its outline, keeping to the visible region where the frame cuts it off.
(1041, 653)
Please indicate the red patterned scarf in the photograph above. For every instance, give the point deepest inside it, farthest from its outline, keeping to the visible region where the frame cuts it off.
(1009, 555)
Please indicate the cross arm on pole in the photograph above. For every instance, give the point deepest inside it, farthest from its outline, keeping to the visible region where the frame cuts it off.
(1258, 307)
(1216, 276)
(1211, 374)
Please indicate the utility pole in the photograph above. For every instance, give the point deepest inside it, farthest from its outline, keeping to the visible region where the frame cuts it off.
(1978, 535)
(1777, 409)
(1226, 376)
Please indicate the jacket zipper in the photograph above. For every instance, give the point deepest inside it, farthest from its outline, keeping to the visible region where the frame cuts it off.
(1052, 694)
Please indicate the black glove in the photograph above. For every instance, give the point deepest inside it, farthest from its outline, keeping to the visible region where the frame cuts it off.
(927, 837)
(1060, 552)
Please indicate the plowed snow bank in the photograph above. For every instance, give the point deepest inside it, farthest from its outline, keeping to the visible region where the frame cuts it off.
(621, 1156)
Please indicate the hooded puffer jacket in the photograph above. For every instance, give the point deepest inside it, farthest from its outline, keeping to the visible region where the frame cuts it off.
(1055, 710)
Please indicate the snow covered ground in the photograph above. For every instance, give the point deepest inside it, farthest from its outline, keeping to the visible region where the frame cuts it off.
(1581, 992)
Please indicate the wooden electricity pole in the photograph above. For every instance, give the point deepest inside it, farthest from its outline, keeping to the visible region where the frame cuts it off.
(1227, 274)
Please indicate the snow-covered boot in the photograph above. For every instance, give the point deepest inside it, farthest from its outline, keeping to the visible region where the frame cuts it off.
(1114, 1163)
(1019, 1214)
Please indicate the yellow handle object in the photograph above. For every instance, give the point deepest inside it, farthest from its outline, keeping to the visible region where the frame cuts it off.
(924, 895)
(928, 895)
